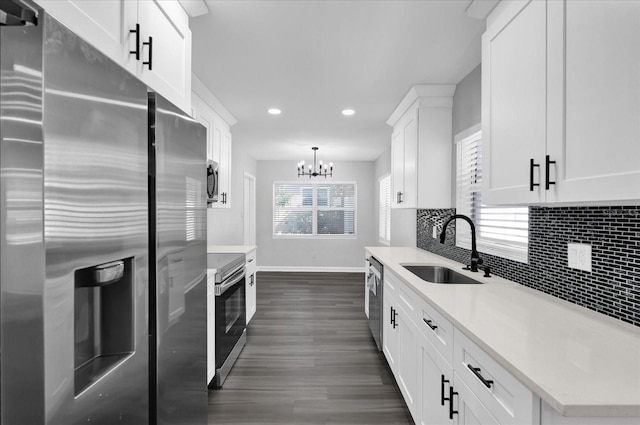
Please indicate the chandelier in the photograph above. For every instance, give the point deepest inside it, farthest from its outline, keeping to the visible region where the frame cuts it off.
(322, 170)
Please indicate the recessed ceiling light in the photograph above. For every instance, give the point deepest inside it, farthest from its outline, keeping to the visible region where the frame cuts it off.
(348, 112)
(274, 111)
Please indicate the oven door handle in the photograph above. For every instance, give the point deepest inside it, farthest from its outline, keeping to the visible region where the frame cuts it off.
(235, 278)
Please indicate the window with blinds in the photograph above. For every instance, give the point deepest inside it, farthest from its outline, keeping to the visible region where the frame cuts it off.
(500, 230)
(384, 210)
(314, 209)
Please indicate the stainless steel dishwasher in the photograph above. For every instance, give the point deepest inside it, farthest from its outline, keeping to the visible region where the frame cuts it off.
(374, 284)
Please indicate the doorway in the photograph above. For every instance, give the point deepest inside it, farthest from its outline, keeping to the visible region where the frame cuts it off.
(249, 209)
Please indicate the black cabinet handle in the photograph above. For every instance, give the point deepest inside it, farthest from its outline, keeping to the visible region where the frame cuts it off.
(532, 165)
(394, 314)
(136, 52)
(150, 61)
(399, 197)
(391, 316)
(251, 281)
(451, 411)
(442, 397)
(548, 181)
(476, 371)
(428, 322)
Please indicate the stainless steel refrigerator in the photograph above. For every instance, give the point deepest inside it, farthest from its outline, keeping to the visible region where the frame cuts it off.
(103, 241)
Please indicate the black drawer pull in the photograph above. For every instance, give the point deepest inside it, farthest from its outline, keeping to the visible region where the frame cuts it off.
(442, 397)
(150, 61)
(451, 411)
(137, 50)
(532, 165)
(548, 181)
(476, 371)
(395, 314)
(428, 322)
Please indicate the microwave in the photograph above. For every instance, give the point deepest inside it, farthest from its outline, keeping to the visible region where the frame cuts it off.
(212, 182)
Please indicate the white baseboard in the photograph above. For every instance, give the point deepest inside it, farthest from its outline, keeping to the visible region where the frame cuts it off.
(305, 269)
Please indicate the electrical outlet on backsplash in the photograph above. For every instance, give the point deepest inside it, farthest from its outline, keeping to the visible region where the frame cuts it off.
(613, 285)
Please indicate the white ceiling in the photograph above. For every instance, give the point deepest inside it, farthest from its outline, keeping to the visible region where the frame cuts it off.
(312, 59)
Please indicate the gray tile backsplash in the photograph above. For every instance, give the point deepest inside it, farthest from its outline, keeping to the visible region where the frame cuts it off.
(611, 288)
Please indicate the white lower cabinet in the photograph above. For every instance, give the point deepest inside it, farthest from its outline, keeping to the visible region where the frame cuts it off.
(436, 385)
(366, 288)
(467, 408)
(508, 400)
(443, 376)
(408, 361)
(251, 281)
(390, 338)
(211, 323)
(400, 341)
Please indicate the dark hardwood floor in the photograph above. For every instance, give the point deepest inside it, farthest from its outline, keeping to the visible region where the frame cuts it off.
(309, 358)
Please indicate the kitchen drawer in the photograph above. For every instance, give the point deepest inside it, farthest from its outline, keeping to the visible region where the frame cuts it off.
(407, 299)
(506, 398)
(391, 283)
(251, 258)
(436, 328)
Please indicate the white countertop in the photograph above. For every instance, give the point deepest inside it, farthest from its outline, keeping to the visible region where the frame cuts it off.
(230, 249)
(582, 363)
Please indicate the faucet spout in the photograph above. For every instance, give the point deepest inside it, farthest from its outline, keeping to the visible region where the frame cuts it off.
(475, 257)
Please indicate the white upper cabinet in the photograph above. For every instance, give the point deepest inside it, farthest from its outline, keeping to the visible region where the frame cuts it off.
(594, 119)
(150, 38)
(513, 103)
(561, 102)
(421, 146)
(209, 112)
(165, 25)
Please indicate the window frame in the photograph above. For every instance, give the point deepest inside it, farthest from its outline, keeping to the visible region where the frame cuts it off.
(315, 208)
(512, 251)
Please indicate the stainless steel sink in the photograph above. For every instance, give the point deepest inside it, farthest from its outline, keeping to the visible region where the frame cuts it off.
(440, 274)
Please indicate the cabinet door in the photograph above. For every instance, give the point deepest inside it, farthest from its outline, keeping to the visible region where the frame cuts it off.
(251, 285)
(437, 376)
(251, 294)
(408, 361)
(167, 24)
(594, 113)
(514, 91)
(205, 116)
(404, 157)
(397, 167)
(410, 194)
(390, 338)
(221, 153)
(105, 24)
(367, 276)
(470, 411)
(211, 327)
(225, 168)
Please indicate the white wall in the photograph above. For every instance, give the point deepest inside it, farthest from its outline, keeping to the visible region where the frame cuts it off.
(315, 254)
(226, 226)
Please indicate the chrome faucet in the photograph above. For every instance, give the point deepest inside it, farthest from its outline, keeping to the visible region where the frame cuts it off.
(475, 257)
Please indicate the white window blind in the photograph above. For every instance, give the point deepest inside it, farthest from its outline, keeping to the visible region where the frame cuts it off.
(314, 209)
(500, 230)
(384, 210)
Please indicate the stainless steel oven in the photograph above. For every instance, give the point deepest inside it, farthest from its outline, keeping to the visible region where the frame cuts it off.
(230, 308)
